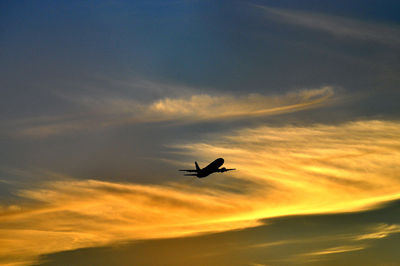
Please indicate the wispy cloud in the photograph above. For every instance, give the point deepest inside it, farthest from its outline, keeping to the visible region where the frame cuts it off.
(351, 242)
(338, 162)
(206, 107)
(106, 111)
(285, 170)
(72, 214)
(380, 231)
(334, 250)
(335, 25)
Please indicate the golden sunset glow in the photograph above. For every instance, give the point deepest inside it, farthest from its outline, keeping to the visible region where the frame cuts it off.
(217, 133)
(283, 170)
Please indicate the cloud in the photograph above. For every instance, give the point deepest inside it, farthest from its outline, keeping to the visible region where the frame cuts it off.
(101, 112)
(282, 171)
(380, 231)
(338, 162)
(206, 107)
(335, 25)
(359, 241)
(71, 214)
(334, 250)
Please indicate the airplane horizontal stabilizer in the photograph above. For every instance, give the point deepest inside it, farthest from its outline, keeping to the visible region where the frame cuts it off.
(189, 170)
(190, 175)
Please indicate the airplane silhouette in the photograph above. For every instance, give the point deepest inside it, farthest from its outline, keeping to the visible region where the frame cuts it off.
(209, 169)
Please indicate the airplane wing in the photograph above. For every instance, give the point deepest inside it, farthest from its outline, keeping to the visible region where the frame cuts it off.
(222, 170)
(192, 171)
(190, 174)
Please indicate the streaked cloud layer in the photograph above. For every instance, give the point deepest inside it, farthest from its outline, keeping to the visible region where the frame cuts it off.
(353, 162)
(335, 25)
(205, 107)
(301, 239)
(283, 171)
(103, 101)
(108, 111)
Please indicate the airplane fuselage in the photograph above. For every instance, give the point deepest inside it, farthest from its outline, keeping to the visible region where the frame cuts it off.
(208, 170)
(211, 168)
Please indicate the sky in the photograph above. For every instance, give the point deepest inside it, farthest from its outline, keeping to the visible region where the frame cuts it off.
(103, 101)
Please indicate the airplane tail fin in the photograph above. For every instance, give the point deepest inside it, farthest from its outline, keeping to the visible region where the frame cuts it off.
(197, 166)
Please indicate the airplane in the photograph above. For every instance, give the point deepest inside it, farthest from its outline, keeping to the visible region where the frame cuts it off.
(209, 169)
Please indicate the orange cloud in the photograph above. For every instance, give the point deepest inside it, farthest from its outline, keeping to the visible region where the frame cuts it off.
(73, 214)
(334, 250)
(280, 171)
(380, 231)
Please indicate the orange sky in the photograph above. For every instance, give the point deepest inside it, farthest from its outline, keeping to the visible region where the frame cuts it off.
(281, 171)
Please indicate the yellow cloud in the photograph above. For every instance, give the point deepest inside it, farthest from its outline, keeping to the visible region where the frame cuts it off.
(73, 214)
(206, 107)
(106, 112)
(280, 171)
(334, 250)
(380, 231)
